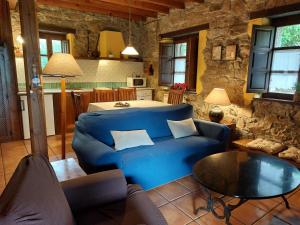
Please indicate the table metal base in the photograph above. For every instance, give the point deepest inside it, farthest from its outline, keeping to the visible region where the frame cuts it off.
(211, 201)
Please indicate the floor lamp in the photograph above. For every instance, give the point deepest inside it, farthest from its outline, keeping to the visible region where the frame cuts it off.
(62, 65)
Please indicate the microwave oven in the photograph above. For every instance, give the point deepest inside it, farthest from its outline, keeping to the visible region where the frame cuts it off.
(136, 81)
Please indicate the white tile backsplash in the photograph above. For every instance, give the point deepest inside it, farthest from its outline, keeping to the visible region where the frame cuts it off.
(94, 71)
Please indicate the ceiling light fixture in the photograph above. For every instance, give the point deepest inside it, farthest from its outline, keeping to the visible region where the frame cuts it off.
(129, 50)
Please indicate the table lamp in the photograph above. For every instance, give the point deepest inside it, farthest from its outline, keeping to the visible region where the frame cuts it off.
(217, 96)
(62, 65)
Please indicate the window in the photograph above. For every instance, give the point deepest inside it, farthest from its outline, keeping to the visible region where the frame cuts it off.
(52, 43)
(178, 62)
(275, 60)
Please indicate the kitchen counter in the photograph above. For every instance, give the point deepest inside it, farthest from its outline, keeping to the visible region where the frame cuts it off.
(55, 91)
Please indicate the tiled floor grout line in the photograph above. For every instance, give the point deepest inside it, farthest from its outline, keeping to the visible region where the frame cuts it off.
(274, 215)
(182, 210)
(282, 203)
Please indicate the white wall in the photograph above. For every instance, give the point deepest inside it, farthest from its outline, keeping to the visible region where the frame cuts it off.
(95, 71)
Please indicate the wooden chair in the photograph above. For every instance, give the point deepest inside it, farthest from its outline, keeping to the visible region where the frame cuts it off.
(175, 97)
(101, 95)
(77, 104)
(126, 94)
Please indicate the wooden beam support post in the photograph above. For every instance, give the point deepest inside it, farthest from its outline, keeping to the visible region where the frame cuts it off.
(34, 89)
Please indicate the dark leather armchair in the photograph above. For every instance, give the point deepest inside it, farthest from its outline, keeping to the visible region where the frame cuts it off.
(34, 196)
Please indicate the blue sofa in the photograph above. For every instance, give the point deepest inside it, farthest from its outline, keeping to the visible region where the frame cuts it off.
(149, 166)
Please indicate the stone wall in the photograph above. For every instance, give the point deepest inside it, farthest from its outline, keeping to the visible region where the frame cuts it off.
(83, 22)
(228, 20)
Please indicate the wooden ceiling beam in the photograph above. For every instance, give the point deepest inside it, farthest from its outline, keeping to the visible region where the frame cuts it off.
(139, 5)
(89, 8)
(198, 1)
(119, 8)
(168, 3)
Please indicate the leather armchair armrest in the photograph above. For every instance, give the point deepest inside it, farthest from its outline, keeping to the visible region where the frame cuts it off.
(95, 189)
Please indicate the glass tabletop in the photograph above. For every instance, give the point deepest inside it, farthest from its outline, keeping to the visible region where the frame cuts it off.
(247, 175)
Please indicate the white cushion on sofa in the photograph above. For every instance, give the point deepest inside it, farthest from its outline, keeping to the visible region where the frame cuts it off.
(130, 139)
(182, 128)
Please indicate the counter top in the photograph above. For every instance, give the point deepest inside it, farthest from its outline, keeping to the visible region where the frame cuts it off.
(55, 91)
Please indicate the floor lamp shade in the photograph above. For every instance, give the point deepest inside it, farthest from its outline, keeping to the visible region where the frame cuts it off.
(62, 65)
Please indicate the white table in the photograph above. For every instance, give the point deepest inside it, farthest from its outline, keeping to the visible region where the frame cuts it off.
(100, 106)
(67, 169)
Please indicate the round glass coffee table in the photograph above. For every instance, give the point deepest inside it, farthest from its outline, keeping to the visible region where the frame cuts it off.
(244, 175)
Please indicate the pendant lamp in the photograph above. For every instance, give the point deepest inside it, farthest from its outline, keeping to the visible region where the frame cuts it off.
(129, 50)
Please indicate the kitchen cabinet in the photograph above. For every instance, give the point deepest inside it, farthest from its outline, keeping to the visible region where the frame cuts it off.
(144, 94)
(48, 99)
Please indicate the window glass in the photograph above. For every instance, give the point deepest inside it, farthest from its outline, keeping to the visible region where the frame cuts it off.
(179, 78)
(56, 46)
(286, 60)
(43, 47)
(287, 36)
(180, 65)
(168, 51)
(180, 49)
(44, 61)
(283, 83)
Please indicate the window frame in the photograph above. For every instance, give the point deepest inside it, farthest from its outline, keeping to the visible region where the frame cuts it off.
(180, 41)
(50, 36)
(190, 75)
(279, 95)
(266, 92)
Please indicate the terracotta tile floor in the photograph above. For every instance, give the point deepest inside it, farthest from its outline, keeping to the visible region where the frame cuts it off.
(13, 152)
(176, 200)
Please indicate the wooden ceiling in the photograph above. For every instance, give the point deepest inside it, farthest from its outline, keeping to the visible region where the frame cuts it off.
(140, 9)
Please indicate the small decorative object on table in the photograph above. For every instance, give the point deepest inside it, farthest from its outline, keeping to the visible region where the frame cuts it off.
(217, 96)
(122, 104)
(179, 86)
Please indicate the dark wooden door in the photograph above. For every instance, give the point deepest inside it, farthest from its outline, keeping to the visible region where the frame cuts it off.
(5, 132)
(10, 111)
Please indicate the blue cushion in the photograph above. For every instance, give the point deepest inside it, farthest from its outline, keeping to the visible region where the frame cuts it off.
(167, 160)
(153, 120)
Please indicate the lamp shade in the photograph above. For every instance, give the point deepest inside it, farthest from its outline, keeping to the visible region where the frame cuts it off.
(218, 96)
(62, 65)
(129, 50)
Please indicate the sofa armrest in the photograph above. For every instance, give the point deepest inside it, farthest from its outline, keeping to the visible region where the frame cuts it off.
(93, 154)
(95, 189)
(213, 130)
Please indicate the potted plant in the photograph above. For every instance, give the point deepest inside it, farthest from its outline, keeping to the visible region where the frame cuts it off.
(297, 93)
(179, 86)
